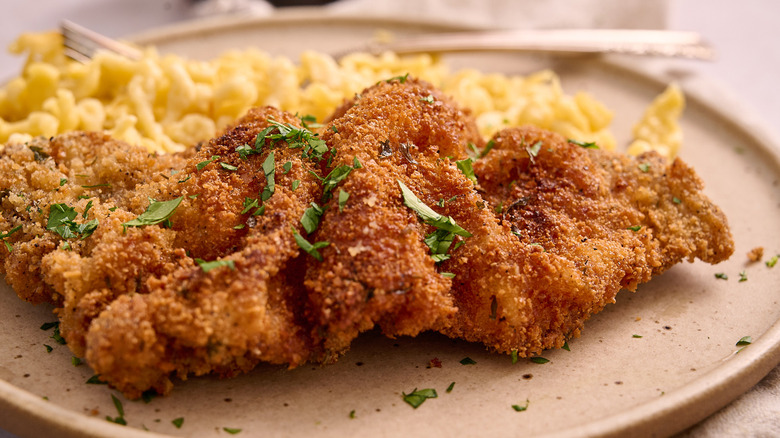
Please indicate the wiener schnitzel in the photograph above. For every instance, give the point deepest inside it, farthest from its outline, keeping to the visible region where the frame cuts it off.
(275, 243)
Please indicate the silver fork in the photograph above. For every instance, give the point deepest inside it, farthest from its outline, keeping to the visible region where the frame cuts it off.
(81, 43)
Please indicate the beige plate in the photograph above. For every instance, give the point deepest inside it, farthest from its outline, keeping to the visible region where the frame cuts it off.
(683, 368)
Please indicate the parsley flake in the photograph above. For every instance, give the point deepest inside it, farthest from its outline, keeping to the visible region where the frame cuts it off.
(311, 217)
(227, 166)
(745, 340)
(586, 145)
(401, 79)
(208, 266)
(635, 228)
(449, 388)
(310, 248)
(61, 221)
(343, 196)
(178, 422)
(231, 430)
(533, 150)
(429, 216)
(120, 419)
(203, 164)
(539, 360)
(157, 212)
(468, 361)
(743, 276)
(644, 167)
(772, 262)
(488, 147)
(418, 397)
(428, 99)
(721, 276)
(465, 166)
(519, 408)
(514, 356)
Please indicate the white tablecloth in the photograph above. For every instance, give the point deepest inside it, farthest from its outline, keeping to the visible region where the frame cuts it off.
(744, 33)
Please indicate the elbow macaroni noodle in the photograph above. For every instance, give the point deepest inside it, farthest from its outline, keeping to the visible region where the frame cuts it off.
(168, 103)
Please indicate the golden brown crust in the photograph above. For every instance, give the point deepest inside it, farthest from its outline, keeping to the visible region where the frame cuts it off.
(554, 231)
(584, 224)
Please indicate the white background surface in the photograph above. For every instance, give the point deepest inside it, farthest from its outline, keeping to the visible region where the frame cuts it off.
(745, 35)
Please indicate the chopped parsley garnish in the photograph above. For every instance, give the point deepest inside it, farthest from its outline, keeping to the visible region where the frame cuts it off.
(310, 249)
(519, 408)
(76, 361)
(287, 166)
(61, 221)
(86, 209)
(742, 276)
(95, 380)
(295, 184)
(39, 154)
(207, 266)
(249, 204)
(447, 274)
(49, 348)
(488, 147)
(449, 388)
(417, 397)
(120, 419)
(401, 79)
(676, 200)
(427, 99)
(178, 422)
(4, 235)
(311, 217)
(338, 174)
(721, 276)
(97, 186)
(635, 228)
(63, 181)
(352, 414)
(203, 164)
(586, 145)
(745, 340)
(311, 145)
(468, 361)
(465, 166)
(49, 325)
(231, 430)
(227, 166)
(533, 150)
(566, 346)
(440, 240)
(429, 216)
(514, 356)
(773, 261)
(157, 212)
(539, 360)
(636, 336)
(343, 196)
(269, 168)
(644, 167)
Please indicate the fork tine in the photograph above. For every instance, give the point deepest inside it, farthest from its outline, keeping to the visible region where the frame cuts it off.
(82, 43)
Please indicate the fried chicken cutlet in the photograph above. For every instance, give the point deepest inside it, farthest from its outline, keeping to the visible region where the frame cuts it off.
(376, 269)
(585, 223)
(281, 246)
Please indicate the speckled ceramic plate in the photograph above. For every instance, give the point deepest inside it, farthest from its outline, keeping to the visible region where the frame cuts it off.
(654, 363)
